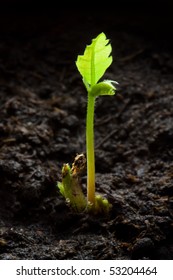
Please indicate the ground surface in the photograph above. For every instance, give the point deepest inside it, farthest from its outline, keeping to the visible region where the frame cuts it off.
(42, 126)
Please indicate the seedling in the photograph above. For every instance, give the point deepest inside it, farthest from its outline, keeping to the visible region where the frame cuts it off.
(92, 66)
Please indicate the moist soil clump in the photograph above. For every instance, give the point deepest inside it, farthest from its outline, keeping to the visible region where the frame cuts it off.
(42, 113)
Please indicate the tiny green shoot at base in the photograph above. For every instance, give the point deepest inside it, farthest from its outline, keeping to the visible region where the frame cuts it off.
(92, 66)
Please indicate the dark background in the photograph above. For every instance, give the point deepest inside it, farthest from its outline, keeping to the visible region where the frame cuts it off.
(28, 16)
(148, 19)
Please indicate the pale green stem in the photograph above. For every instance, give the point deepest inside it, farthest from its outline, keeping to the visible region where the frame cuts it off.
(90, 150)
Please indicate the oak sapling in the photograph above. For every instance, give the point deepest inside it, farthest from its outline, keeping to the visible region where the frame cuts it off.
(92, 66)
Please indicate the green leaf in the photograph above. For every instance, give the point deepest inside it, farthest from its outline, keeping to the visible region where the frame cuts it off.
(95, 60)
(103, 88)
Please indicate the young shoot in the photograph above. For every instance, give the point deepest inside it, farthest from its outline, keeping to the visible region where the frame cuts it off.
(92, 66)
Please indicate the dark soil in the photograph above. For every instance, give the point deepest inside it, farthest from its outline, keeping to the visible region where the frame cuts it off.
(42, 126)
